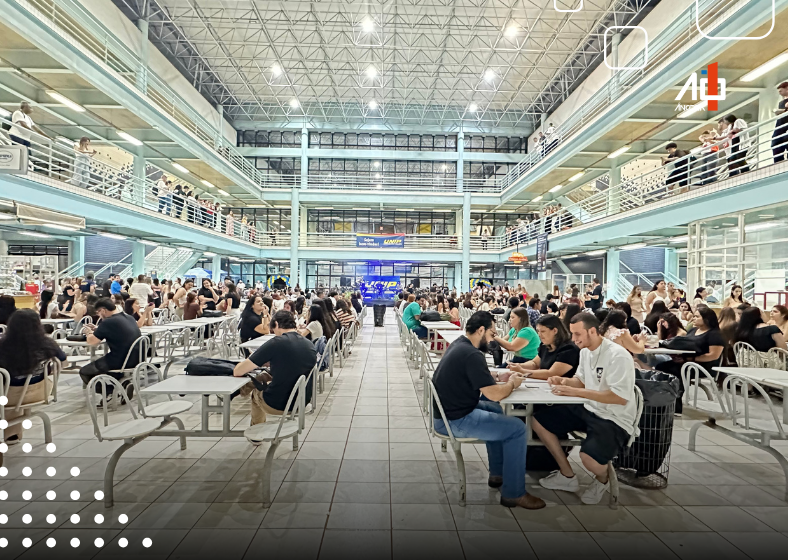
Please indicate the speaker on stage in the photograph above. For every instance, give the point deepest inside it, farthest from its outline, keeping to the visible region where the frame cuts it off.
(416, 282)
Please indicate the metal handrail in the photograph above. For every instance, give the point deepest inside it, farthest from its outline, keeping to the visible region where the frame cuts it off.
(72, 20)
(61, 166)
(676, 37)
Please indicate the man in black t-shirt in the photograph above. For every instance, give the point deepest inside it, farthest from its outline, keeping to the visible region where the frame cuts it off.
(595, 296)
(458, 379)
(119, 331)
(289, 356)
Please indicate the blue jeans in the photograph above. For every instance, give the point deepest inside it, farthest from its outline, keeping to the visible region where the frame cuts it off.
(505, 438)
(420, 331)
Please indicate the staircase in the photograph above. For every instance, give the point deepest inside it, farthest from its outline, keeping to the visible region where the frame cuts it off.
(163, 262)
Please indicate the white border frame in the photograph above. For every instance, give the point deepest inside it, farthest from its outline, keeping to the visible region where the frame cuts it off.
(645, 34)
(697, 25)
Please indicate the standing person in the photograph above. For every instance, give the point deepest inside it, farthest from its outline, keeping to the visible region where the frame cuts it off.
(680, 172)
(461, 378)
(635, 301)
(141, 290)
(23, 126)
(659, 292)
(736, 298)
(180, 297)
(739, 137)
(164, 187)
(594, 300)
(780, 134)
(156, 288)
(83, 155)
(606, 377)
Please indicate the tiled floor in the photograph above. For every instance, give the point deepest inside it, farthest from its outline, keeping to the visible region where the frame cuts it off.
(368, 482)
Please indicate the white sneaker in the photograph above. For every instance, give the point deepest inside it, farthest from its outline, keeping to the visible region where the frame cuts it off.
(593, 494)
(556, 481)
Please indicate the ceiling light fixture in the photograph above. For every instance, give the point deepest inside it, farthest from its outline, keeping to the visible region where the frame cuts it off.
(276, 70)
(633, 246)
(375, 164)
(378, 186)
(372, 72)
(294, 103)
(146, 242)
(556, 188)
(682, 250)
(444, 167)
(576, 176)
(111, 235)
(208, 254)
(61, 227)
(473, 107)
(65, 101)
(207, 184)
(537, 199)
(368, 25)
(679, 239)
(596, 253)
(222, 192)
(621, 150)
(512, 30)
(34, 234)
(129, 138)
(180, 168)
(489, 75)
(372, 105)
(761, 226)
(765, 68)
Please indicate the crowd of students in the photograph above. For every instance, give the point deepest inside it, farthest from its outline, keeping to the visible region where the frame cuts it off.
(583, 346)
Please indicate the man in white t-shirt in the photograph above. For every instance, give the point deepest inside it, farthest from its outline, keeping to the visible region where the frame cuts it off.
(140, 290)
(23, 126)
(606, 377)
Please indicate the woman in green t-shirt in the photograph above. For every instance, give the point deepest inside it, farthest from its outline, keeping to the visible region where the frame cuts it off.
(522, 338)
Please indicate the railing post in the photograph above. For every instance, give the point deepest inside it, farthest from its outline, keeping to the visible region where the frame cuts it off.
(612, 271)
(304, 159)
(142, 71)
(466, 245)
(294, 224)
(460, 157)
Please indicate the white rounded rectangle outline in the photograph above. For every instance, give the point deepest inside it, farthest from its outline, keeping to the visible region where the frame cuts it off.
(645, 48)
(697, 25)
(557, 9)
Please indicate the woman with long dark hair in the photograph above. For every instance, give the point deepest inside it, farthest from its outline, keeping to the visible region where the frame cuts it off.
(558, 355)
(778, 316)
(657, 310)
(571, 310)
(736, 298)
(252, 323)
(23, 350)
(330, 326)
(48, 309)
(615, 328)
(316, 324)
(7, 308)
(755, 332)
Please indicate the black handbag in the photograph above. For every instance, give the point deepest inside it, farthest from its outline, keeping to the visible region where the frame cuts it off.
(77, 337)
(212, 313)
(686, 343)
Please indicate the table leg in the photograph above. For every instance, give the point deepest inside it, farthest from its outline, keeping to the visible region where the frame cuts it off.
(206, 402)
(226, 414)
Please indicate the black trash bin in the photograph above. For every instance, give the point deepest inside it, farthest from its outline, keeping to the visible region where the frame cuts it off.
(646, 463)
(379, 310)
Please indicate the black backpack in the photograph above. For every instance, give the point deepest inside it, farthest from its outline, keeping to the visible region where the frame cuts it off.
(430, 315)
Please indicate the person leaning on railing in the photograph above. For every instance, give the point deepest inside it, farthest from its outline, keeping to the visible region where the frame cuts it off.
(780, 134)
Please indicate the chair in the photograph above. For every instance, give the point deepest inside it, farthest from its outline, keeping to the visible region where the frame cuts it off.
(289, 426)
(51, 373)
(131, 432)
(747, 356)
(86, 320)
(456, 443)
(166, 409)
(141, 346)
(777, 358)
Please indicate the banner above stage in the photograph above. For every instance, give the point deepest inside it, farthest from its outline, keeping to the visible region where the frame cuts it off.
(380, 241)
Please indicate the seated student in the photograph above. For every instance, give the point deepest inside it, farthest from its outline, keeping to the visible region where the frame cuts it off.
(606, 377)
(754, 331)
(548, 305)
(632, 324)
(533, 310)
(614, 328)
(522, 338)
(254, 319)
(192, 308)
(513, 302)
(458, 379)
(132, 307)
(289, 356)
(412, 314)
(316, 325)
(23, 350)
(558, 355)
(119, 331)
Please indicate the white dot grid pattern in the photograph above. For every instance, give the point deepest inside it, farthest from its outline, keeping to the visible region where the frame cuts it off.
(27, 424)
(51, 495)
(3, 424)
(4, 400)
